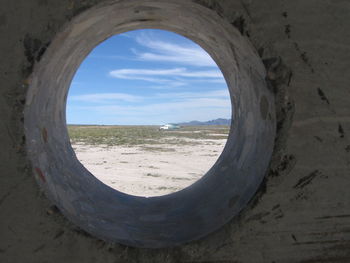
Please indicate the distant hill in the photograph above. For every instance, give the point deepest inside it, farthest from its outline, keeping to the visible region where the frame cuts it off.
(211, 122)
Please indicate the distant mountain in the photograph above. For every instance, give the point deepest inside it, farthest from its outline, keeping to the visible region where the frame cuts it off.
(219, 121)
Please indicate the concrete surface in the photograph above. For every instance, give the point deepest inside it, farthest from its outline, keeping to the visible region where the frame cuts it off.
(158, 221)
(301, 212)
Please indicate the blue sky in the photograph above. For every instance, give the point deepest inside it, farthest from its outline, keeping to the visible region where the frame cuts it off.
(146, 77)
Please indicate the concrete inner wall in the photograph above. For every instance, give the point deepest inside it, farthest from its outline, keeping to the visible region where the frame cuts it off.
(192, 212)
(300, 214)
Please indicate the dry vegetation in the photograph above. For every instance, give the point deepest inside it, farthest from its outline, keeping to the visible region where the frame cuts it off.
(143, 135)
(142, 160)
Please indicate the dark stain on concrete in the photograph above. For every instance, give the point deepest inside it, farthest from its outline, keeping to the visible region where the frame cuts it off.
(284, 116)
(327, 259)
(279, 216)
(53, 210)
(41, 247)
(285, 166)
(334, 216)
(304, 57)
(82, 232)
(100, 243)
(260, 193)
(287, 30)
(213, 5)
(285, 14)
(288, 161)
(347, 148)
(290, 78)
(322, 95)
(321, 242)
(294, 238)
(264, 107)
(277, 72)
(58, 234)
(42, 51)
(239, 23)
(77, 11)
(304, 181)
(301, 196)
(341, 131)
(44, 134)
(31, 47)
(276, 207)
(318, 138)
(277, 212)
(77, 8)
(271, 62)
(33, 51)
(257, 217)
(145, 20)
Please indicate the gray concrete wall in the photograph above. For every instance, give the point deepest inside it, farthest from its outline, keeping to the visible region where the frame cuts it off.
(300, 214)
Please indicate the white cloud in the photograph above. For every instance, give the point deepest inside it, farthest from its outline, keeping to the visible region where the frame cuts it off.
(109, 57)
(170, 52)
(189, 54)
(220, 81)
(162, 108)
(166, 75)
(219, 94)
(169, 84)
(105, 97)
(193, 70)
(204, 108)
(169, 96)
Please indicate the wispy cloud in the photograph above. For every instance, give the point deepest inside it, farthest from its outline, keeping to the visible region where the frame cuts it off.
(170, 52)
(109, 57)
(166, 75)
(105, 97)
(201, 109)
(162, 107)
(168, 84)
(219, 94)
(196, 103)
(182, 84)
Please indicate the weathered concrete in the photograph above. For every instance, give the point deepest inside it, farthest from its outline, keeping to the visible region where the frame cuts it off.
(302, 213)
(158, 221)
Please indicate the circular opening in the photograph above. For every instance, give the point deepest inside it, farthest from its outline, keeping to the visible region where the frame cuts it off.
(148, 112)
(170, 219)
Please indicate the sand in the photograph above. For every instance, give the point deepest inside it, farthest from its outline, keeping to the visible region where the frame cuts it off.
(150, 170)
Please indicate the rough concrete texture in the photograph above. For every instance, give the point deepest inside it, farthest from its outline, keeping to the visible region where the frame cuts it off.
(158, 221)
(301, 212)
